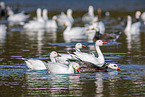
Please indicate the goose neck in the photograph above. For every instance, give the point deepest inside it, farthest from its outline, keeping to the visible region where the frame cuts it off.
(128, 26)
(52, 59)
(99, 51)
(71, 69)
(68, 28)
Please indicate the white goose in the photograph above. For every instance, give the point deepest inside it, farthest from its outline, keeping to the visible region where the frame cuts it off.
(48, 22)
(88, 17)
(99, 61)
(74, 31)
(99, 24)
(35, 64)
(18, 18)
(38, 23)
(60, 68)
(63, 18)
(130, 28)
(143, 17)
(65, 57)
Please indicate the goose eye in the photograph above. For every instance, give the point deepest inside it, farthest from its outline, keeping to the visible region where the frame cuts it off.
(115, 66)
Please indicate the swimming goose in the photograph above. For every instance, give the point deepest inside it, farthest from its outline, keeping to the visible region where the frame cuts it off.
(35, 64)
(74, 31)
(143, 17)
(88, 17)
(132, 28)
(99, 61)
(55, 67)
(38, 23)
(90, 67)
(16, 18)
(59, 68)
(49, 23)
(94, 35)
(63, 18)
(64, 57)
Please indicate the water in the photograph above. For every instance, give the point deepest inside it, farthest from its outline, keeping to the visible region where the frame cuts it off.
(17, 81)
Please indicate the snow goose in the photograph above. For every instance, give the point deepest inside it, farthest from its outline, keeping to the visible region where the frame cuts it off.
(64, 57)
(3, 12)
(38, 23)
(143, 17)
(74, 31)
(96, 23)
(48, 22)
(99, 61)
(130, 28)
(16, 18)
(63, 18)
(60, 68)
(94, 35)
(35, 64)
(88, 17)
(90, 67)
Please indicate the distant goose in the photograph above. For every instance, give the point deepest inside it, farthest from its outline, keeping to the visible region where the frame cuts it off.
(63, 18)
(74, 31)
(18, 17)
(38, 23)
(49, 23)
(89, 16)
(132, 28)
(112, 37)
(143, 17)
(3, 11)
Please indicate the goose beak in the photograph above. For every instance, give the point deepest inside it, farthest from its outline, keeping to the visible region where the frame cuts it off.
(83, 46)
(78, 70)
(105, 42)
(58, 55)
(118, 69)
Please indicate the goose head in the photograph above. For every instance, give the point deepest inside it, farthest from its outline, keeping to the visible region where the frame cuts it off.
(2, 5)
(79, 46)
(53, 55)
(137, 14)
(75, 66)
(99, 42)
(69, 12)
(45, 12)
(38, 12)
(54, 18)
(129, 18)
(91, 11)
(114, 66)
